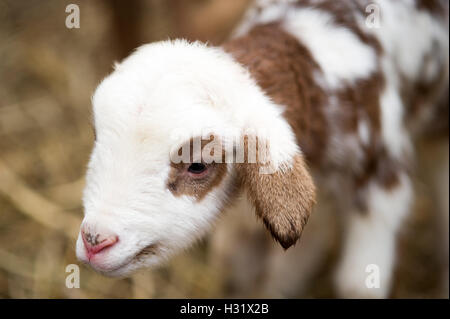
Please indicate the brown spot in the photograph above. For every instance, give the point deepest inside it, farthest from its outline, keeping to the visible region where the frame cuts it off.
(381, 168)
(284, 69)
(436, 8)
(283, 200)
(181, 182)
(427, 96)
(360, 100)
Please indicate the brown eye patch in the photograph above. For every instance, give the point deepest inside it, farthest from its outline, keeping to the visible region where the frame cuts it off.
(195, 178)
(182, 181)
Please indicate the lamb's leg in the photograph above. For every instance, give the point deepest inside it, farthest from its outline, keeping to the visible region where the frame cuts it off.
(366, 267)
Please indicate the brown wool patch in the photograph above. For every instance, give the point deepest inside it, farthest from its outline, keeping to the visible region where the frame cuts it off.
(284, 69)
(427, 95)
(181, 182)
(436, 8)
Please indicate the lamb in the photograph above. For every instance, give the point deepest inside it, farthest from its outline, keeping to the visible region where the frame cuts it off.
(304, 96)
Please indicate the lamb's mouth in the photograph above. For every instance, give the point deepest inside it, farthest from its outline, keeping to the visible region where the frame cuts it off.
(151, 249)
(148, 250)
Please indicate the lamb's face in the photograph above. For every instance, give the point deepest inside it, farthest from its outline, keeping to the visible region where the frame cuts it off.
(143, 201)
(144, 198)
(143, 205)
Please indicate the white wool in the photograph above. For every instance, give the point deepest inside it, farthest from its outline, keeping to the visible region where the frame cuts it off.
(339, 52)
(370, 239)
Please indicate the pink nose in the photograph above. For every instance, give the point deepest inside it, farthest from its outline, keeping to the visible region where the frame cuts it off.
(96, 242)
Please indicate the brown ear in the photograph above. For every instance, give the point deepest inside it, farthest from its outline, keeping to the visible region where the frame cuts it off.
(283, 199)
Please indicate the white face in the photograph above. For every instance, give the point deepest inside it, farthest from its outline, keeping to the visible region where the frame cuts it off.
(140, 207)
(135, 199)
(149, 206)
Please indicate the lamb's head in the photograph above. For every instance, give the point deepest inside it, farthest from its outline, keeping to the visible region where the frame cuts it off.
(181, 128)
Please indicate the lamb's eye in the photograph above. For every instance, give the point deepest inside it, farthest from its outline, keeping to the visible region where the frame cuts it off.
(197, 168)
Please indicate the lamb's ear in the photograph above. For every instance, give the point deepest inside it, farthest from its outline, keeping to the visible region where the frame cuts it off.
(283, 199)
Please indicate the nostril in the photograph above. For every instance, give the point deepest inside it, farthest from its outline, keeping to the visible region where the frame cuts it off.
(95, 242)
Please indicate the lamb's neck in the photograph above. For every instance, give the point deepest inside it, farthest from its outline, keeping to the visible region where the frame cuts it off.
(285, 69)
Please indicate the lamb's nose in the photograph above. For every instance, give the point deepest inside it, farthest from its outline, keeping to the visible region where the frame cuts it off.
(97, 241)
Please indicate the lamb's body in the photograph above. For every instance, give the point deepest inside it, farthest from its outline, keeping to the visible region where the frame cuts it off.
(357, 96)
(354, 94)
(354, 97)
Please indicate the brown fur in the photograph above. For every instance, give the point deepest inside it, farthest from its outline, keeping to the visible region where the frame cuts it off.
(283, 200)
(284, 69)
(435, 7)
(180, 182)
(362, 101)
(421, 95)
(365, 95)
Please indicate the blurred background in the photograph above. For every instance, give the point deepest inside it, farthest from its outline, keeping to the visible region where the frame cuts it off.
(47, 76)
